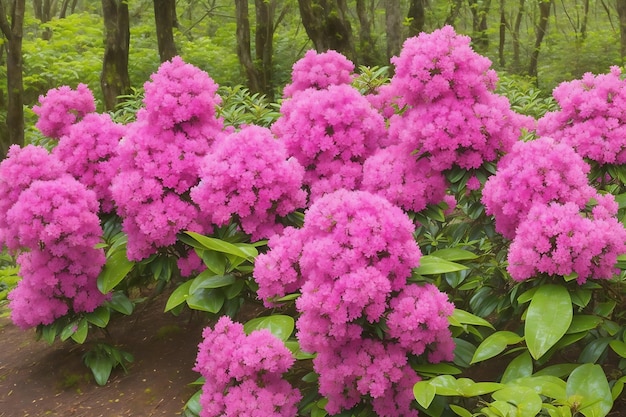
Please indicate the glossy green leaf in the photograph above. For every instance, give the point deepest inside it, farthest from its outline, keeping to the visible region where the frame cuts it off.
(618, 347)
(583, 323)
(480, 388)
(588, 386)
(204, 299)
(618, 387)
(193, 404)
(462, 317)
(68, 330)
(460, 411)
(218, 245)
(207, 279)
(114, 271)
(548, 317)
(454, 254)
(214, 261)
(495, 344)
(560, 370)
(519, 367)
(120, 303)
(432, 265)
(463, 352)
(527, 401)
(546, 385)
(445, 385)
(436, 369)
(424, 393)
(80, 335)
(100, 366)
(99, 317)
(279, 325)
(178, 296)
(594, 350)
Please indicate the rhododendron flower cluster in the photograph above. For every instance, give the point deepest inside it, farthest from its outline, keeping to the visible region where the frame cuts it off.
(247, 175)
(57, 221)
(88, 152)
(243, 374)
(332, 138)
(592, 118)
(536, 172)
(556, 239)
(319, 71)
(351, 260)
(61, 107)
(160, 157)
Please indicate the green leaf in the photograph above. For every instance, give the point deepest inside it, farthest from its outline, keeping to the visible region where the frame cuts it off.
(460, 411)
(549, 386)
(178, 296)
(445, 385)
(618, 347)
(207, 279)
(548, 317)
(100, 366)
(80, 335)
(527, 401)
(68, 330)
(193, 404)
(454, 254)
(618, 387)
(120, 303)
(214, 261)
(480, 388)
(436, 369)
(279, 325)
(218, 245)
(462, 317)
(432, 265)
(594, 349)
(209, 300)
(519, 367)
(560, 370)
(99, 317)
(424, 393)
(583, 323)
(588, 386)
(115, 270)
(495, 344)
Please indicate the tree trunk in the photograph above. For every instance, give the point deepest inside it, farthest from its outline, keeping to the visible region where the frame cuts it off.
(114, 79)
(416, 16)
(621, 12)
(455, 9)
(264, 44)
(64, 7)
(393, 24)
(243, 45)
(480, 10)
(366, 40)
(327, 25)
(515, 35)
(13, 32)
(165, 21)
(544, 16)
(502, 37)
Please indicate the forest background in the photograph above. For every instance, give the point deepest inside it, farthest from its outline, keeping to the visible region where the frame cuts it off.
(113, 46)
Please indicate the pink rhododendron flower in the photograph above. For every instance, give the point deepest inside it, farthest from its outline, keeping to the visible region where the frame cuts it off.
(319, 71)
(159, 158)
(556, 239)
(331, 138)
(18, 171)
(61, 107)
(87, 152)
(248, 175)
(456, 132)
(402, 179)
(539, 171)
(439, 64)
(592, 118)
(243, 374)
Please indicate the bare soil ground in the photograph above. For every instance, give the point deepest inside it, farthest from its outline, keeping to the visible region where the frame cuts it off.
(37, 379)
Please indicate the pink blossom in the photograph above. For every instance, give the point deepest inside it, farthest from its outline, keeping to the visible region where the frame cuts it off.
(556, 239)
(61, 107)
(319, 71)
(331, 139)
(248, 176)
(539, 171)
(87, 152)
(592, 118)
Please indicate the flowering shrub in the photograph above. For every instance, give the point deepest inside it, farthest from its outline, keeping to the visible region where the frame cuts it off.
(319, 71)
(88, 151)
(591, 118)
(160, 157)
(332, 139)
(243, 374)
(61, 107)
(247, 175)
(539, 171)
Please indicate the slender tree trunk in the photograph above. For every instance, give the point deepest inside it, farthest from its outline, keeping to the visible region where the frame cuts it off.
(393, 23)
(455, 9)
(63, 11)
(38, 9)
(502, 37)
(13, 32)
(243, 45)
(515, 35)
(480, 10)
(165, 21)
(264, 44)
(417, 17)
(544, 16)
(366, 40)
(114, 78)
(583, 26)
(327, 25)
(621, 13)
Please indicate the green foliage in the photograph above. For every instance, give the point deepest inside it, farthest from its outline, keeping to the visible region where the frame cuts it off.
(240, 107)
(9, 277)
(103, 358)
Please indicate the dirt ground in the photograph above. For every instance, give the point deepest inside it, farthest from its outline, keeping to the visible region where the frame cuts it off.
(37, 379)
